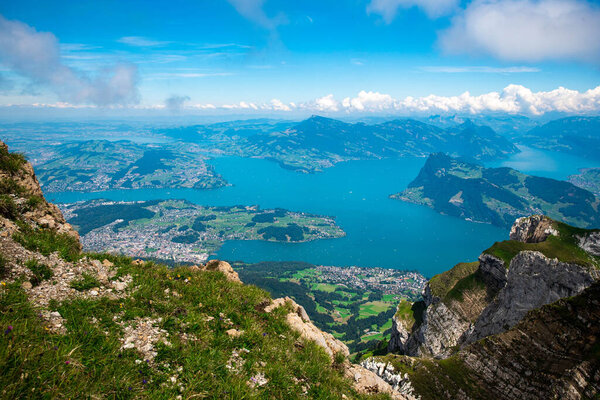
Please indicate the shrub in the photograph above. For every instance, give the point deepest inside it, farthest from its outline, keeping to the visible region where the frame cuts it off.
(8, 207)
(3, 266)
(86, 282)
(11, 162)
(47, 242)
(9, 186)
(41, 272)
(34, 201)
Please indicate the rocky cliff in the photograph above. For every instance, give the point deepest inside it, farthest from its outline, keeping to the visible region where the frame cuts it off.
(543, 262)
(521, 323)
(98, 325)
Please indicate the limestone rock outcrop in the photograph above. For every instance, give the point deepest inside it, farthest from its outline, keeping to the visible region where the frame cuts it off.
(590, 243)
(533, 280)
(365, 381)
(533, 229)
(27, 196)
(497, 296)
(298, 319)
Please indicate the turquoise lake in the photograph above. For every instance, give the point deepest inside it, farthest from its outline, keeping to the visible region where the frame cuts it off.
(380, 232)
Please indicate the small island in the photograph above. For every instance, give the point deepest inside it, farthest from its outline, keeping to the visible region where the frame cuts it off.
(180, 231)
(498, 196)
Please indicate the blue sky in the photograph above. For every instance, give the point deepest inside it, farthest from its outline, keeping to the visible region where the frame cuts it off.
(283, 56)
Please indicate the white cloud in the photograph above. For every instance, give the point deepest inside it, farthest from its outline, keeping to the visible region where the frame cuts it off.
(36, 56)
(140, 41)
(278, 105)
(253, 11)
(512, 99)
(327, 103)
(433, 8)
(368, 101)
(526, 30)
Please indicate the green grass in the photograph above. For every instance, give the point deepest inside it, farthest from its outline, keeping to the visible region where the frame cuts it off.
(86, 282)
(11, 162)
(40, 272)
(436, 379)
(10, 186)
(373, 308)
(368, 338)
(564, 247)
(325, 287)
(405, 313)
(88, 361)
(442, 283)
(46, 242)
(34, 201)
(3, 267)
(469, 283)
(8, 207)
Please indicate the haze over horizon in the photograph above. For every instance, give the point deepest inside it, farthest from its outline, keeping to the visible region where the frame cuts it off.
(272, 58)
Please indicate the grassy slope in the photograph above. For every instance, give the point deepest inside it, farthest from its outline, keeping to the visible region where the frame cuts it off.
(564, 247)
(194, 309)
(443, 283)
(88, 358)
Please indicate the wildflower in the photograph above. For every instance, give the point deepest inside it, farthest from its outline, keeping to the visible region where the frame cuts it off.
(67, 362)
(8, 329)
(121, 305)
(144, 381)
(3, 283)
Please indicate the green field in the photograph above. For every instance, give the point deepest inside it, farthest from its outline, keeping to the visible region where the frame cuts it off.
(324, 287)
(333, 304)
(373, 308)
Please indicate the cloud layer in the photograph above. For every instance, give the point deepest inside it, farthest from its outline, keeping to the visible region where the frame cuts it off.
(514, 99)
(36, 56)
(526, 30)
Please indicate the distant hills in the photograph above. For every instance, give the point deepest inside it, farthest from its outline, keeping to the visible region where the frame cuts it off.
(574, 135)
(320, 142)
(497, 195)
(95, 165)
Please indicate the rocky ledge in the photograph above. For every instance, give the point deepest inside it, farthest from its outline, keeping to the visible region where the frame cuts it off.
(510, 279)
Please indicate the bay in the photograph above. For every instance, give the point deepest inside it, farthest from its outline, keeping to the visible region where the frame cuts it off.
(381, 232)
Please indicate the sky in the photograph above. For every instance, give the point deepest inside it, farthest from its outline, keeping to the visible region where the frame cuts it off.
(281, 57)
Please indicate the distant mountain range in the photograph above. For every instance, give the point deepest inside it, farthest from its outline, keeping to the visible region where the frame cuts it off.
(319, 142)
(574, 135)
(497, 195)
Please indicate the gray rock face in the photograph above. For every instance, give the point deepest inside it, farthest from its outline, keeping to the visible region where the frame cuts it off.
(441, 329)
(493, 271)
(533, 280)
(591, 243)
(398, 381)
(398, 337)
(534, 229)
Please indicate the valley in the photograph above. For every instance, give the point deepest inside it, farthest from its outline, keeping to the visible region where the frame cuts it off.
(354, 304)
